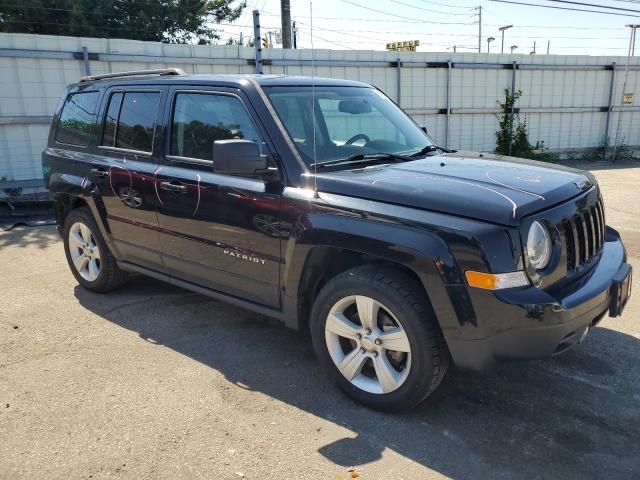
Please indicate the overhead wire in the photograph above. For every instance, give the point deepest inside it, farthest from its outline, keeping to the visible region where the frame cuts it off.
(429, 10)
(596, 5)
(560, 8)
(389, 13)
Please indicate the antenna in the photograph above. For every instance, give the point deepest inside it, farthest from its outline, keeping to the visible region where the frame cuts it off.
(313, 105)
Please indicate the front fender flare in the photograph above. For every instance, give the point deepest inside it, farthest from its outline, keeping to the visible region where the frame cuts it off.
(420, 250)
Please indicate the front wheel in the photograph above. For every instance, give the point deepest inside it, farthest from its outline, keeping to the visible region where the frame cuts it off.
(375, 332)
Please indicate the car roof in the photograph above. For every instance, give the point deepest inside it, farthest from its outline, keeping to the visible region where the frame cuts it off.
(238, 80)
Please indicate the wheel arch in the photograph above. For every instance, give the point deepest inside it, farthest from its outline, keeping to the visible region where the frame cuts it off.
(64, 203)
(73, 191)
(314, 256)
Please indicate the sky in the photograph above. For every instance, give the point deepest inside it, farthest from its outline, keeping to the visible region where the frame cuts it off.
(440, 25)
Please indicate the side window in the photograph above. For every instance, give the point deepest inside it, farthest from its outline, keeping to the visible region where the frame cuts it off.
(290, 108)
(130, 120)
(76, 123)
(199, 119)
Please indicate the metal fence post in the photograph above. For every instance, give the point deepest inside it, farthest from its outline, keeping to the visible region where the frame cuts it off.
(609, 110)
(398, 67)
(85, 61)
(446, 141)
(257, 41)
(513, 92)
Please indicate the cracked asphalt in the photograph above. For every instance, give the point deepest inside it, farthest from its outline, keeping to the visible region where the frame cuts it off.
(153, 382)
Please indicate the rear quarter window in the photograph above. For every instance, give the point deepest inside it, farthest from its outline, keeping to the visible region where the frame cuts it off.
(76, 123)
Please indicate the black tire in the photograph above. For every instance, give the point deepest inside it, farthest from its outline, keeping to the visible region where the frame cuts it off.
(407, 302)
(110, 275)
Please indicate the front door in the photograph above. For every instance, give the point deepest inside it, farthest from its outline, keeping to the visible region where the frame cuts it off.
(128, 148)
(219, 231)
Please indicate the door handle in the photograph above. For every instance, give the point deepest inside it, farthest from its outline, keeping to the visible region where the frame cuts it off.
(173, 187)
(99, 172)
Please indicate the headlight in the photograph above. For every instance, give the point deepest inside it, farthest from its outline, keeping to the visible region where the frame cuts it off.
(538, 246)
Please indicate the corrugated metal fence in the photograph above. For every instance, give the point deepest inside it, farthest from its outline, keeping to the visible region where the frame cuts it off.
(570, 102)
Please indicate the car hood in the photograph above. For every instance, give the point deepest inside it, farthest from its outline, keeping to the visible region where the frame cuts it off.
(487, 187)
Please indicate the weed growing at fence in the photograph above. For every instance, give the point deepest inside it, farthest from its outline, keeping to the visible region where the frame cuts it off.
(514, 133)
(623, 152)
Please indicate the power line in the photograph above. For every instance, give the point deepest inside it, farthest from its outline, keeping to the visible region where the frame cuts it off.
(357, 19)
(326, 40)
(594, 5)
(446, 5)
(351, 32)
(555, 26)
(397, 16)
(375, 20)
(559, 8)
(444, 34)
(428, 10)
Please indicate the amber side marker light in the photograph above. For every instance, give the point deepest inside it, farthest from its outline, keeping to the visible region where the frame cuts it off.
(496, 281)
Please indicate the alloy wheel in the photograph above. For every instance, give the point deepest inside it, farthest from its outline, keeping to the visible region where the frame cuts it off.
(368, 344)
(84, 251)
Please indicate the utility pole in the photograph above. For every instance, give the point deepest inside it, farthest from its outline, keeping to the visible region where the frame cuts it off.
(548, 46)
(241, 40)
(502, 29)
(479, 8)
(489, 40)
(257, 42)
(285, 11)
(533, 52)
(295, 36)
(270, 39)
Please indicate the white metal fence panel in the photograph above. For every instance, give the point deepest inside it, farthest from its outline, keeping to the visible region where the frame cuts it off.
(565, 99)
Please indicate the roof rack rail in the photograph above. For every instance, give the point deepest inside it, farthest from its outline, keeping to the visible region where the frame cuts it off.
(134, 73)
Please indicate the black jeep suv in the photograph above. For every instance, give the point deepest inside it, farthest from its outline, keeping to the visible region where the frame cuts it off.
(321, 203)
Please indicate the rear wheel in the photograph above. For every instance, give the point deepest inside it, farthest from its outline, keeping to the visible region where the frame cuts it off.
(88, 256)
(376, 334)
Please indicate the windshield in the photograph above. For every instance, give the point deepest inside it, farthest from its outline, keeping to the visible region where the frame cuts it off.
(349, 121)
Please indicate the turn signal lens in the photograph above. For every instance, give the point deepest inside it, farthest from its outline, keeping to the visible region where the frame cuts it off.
(496, 281)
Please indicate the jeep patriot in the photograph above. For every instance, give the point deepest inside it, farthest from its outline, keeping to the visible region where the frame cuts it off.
(321, 203)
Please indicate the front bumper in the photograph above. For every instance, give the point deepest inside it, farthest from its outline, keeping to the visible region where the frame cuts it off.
(530, 323)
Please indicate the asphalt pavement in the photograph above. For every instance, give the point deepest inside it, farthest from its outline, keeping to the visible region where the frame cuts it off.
(155, 382)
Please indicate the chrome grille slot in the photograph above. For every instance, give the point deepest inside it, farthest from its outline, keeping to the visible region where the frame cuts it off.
(591, 238)
(584, 235)
(570, 241)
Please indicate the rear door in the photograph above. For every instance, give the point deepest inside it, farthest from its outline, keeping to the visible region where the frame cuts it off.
(219, 231)
(129, 143)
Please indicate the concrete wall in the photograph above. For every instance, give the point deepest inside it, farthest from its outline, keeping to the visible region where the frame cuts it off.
(565, 98)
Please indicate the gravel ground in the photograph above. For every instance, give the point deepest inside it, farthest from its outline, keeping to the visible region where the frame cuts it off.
(152, 382)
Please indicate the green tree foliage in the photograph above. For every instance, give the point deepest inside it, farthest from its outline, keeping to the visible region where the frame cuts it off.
(169, 21)
(514, 131)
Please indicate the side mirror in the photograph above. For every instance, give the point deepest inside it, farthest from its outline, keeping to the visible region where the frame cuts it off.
(238, 157)
(424, 129)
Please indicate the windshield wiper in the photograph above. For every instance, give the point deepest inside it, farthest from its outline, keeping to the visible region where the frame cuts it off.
(429, 149)
(360, 158)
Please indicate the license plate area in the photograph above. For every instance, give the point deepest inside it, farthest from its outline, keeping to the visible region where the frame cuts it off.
(620, 291)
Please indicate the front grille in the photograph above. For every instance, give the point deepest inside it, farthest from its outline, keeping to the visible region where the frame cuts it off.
(584, 235)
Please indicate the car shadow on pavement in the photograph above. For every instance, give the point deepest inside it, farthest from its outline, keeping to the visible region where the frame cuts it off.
(574, 416)
(24, 236)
